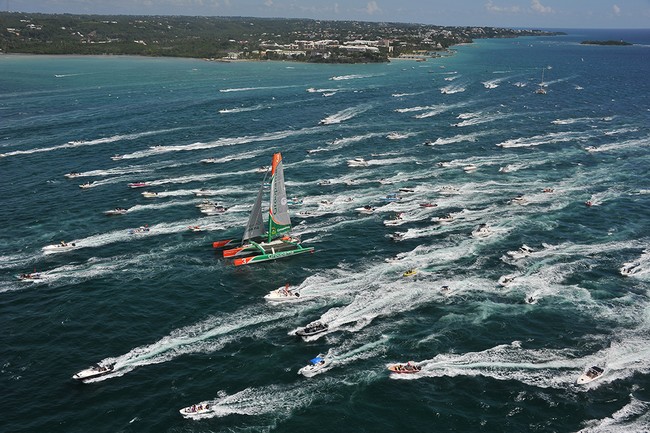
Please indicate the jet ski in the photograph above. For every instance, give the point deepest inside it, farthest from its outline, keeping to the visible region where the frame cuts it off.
(94, 371)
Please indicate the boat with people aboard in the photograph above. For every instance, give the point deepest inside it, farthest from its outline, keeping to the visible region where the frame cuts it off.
(367, 209)
(505, 280)
(315, 365)
(428, 205)
(520, 200)
(30, 277)
(276, 243)
(523, 252)
(117, 157)
(396, 220)
(60, 247)
(408, 368)
(195, 409)
(283, 294)
(86, 185)
(72, 174)
(447, 218)
(116, 211)
(590, 375)
(630, 269)
(312, 328)
(94, 371)
(410, 272)
(149, 194)
(195, 229)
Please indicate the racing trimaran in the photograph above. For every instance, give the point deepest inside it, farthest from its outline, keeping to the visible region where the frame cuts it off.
(276, 243)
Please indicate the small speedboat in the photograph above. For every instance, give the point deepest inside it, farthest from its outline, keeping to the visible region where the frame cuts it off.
(367, 209)
(214, 210)
(589, 203)
(86, 185)
(590, 375)
(60, 247)
(195, 229)
(203, 192)
(283, 294)
(408, 368)
(150, 194)
(72, 174)
(470, 168)
(195, 409)
(315, 365)
(630, 269)
(505, 280)
(482, 231)
(522, 252)
(357, 162)
(448, 190)
(407, 190)
(94, 371)
(313, 328)
(548, 190)
(295, 201)
(30, 277)
(116, 211)
(117, 157)
(137, 184)
(520, 199)
(428, 205)
(443, 219)
(391, 198)
(397, 220)
(139, 230)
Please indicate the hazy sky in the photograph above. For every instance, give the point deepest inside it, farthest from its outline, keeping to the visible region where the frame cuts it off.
(500, 13)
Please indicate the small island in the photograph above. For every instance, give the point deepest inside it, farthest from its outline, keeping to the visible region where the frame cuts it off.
(605, 43)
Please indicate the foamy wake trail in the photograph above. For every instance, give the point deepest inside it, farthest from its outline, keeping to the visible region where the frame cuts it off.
(248, 89)
(242, 109)
(104, 140)
(347, 354)
(460, 138)
(205, 337)
(538, 140)
(223, 142)
(481, 118)
(345, 114)
(340, 142)
(352, 77)
(633, 417)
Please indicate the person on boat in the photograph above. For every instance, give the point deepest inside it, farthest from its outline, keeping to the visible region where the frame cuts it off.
(589, 203)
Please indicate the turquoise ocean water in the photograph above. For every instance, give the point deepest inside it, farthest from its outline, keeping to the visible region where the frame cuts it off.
(183, 326)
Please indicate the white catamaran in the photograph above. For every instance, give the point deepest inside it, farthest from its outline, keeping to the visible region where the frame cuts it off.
(276, 243)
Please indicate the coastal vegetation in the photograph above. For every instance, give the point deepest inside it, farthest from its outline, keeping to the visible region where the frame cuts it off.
(233, 37)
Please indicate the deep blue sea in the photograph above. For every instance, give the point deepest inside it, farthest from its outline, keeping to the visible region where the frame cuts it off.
(183, 326)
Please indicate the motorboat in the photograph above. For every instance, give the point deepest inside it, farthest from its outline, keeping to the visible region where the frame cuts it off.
(313, 328)
(548, 190)
(137, 184)
(482, 231)
(72, 175)
(94, 371)
(117, 157)
(203, 192)
(150, 194)
(116, 211)
(407, 190)
(505, 280)
(214, 210)
(295, 201)
(325, 182)
(448, 190)
(209, 160)
(60, 247)
(195, 409)
(195, 229)
(367, 209)
(314, 367)
(139, 230)
(86, 185)
(408, 368)
(283, 294)
(443, 219)
(428, 205)
(520, 199)
(397, 220)
(470, 168)
(590, 375)
(630, 269)
(589, 203)
(357, 162)
(522, 252)
(30, 277)
(396, 136)
(591, 148)
(391, 198)
(262, 169)
(396, 236)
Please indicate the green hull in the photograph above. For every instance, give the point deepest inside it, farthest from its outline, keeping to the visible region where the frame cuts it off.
(272, 256)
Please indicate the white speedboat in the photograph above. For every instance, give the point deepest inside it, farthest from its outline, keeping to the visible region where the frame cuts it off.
(214, 210)
(209, 160)
(365, 210)
(72, 175)
(283, 294)
(116, 211)
(60, 247)
(86, 185)
(315, 366)
(203, 192)
(520, 199)
(470, 168)
(443, 219)
(590, 375)
(313, 328)
(505, 280)
(357, 162)
(150, 194)
(117, 157)
(397, 220)
(137, 184)
(140, 230)
(482, 231)
(195, 229)
(523, 252)
(396, 136)
(94, 371)
(448, 190)
(630, 269)
(195, 409)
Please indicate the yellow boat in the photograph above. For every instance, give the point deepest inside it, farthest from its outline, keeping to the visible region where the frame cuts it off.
(410, 273)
